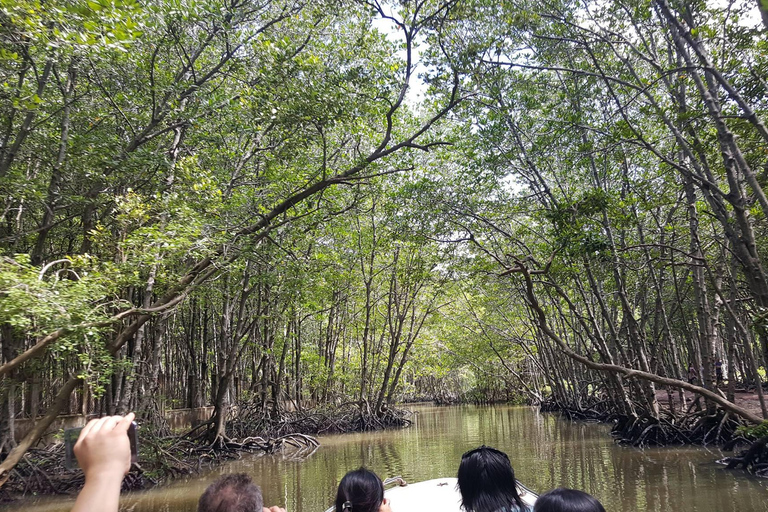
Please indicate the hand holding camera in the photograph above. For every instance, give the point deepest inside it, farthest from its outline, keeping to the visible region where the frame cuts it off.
(104, 447)
(103, 451)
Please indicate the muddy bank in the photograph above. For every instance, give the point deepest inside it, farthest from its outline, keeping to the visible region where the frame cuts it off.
(163, 458)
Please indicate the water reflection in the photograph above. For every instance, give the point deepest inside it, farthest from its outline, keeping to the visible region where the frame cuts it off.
(546, 452)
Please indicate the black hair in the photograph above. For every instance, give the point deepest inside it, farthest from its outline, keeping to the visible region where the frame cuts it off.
(360, 491)
(231, 493)
(487, 482)
(567, 500)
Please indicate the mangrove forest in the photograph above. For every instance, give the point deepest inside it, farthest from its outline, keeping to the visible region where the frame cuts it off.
(289, 217)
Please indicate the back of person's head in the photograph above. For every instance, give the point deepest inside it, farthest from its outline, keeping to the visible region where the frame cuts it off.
(360, 491)
(567, 500)
(231, 493)
(487, 481)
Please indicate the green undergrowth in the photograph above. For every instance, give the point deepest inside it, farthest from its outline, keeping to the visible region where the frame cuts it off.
(753, 431)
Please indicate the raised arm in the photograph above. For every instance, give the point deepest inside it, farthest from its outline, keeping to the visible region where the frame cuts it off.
(104, 453)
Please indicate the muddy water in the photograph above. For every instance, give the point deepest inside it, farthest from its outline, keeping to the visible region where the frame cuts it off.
(546, 452)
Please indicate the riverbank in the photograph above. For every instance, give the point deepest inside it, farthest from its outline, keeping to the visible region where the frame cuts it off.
(749, 400)
(163, 458)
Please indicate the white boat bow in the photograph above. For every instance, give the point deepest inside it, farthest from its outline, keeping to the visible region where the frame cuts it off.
(439, 495)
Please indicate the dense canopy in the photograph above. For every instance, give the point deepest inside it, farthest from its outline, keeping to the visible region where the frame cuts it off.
(290, 204)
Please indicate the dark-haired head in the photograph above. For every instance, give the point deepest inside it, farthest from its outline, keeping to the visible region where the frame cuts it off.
(567, 500)
(360, 491)
(231, 493)
(487, 481)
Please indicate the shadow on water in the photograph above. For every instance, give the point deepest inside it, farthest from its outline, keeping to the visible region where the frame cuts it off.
(546, 452)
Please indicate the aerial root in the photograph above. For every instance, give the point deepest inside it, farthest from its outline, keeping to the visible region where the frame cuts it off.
(754, 459)
(645, 429)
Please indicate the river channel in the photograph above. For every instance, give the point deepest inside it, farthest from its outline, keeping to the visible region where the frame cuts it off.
(546, 452)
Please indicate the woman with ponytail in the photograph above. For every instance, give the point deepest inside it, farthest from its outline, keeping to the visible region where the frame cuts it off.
(361, 491)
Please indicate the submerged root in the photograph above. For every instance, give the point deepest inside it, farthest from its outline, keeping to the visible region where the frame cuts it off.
(754, 459)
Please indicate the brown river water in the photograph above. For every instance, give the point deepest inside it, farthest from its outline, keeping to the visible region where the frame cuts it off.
(546, 452)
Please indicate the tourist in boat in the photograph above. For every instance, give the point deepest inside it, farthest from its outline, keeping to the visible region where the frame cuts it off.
(233, 493)
(567, 500)
(103, 451)
(361, 491)
(487, 482)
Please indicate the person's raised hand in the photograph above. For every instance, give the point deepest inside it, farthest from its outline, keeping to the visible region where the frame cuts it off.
(103, 448)
(273, 509)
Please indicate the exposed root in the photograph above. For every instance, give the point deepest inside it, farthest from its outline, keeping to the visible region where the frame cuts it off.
(755, 459)
(165, 457)
(42, 471)
(349, 417)
(643, 429)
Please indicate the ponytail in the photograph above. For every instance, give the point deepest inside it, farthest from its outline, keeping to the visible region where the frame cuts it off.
(360, 491)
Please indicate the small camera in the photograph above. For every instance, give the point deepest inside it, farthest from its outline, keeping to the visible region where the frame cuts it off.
(72, 434)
